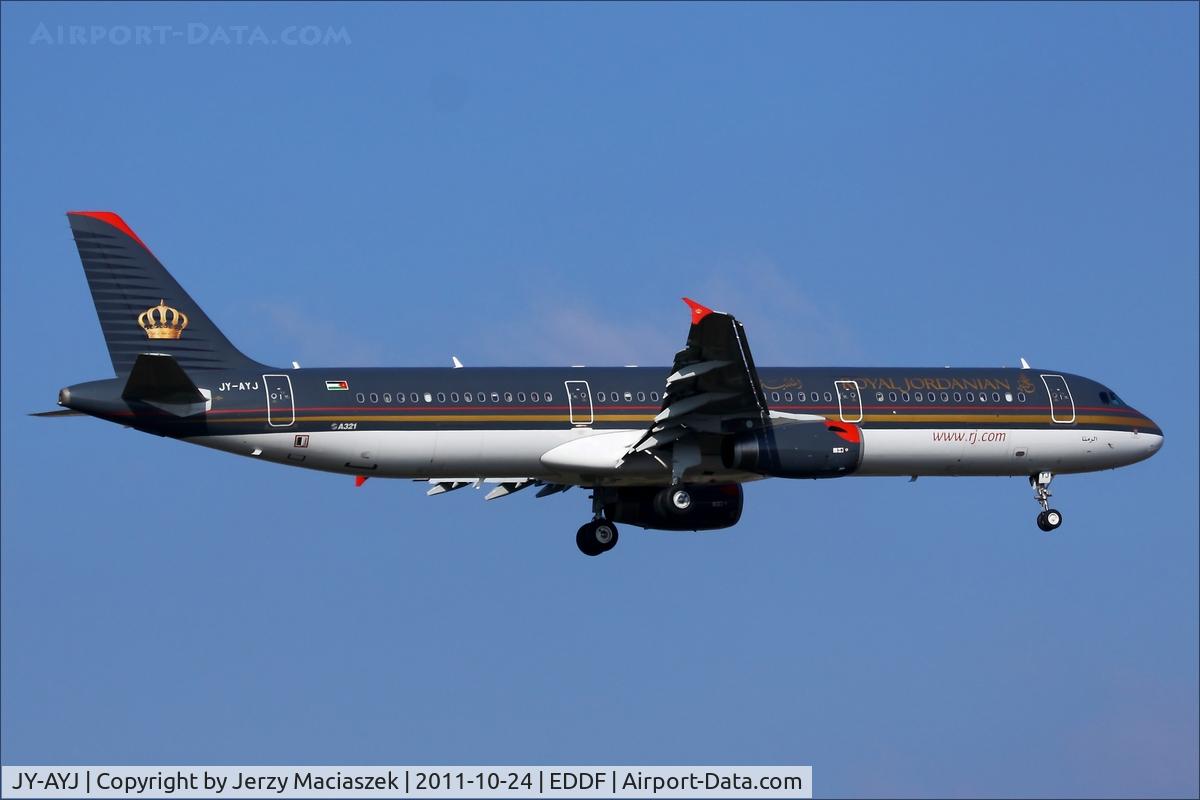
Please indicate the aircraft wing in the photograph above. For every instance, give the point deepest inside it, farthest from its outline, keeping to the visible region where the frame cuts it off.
(713, 386)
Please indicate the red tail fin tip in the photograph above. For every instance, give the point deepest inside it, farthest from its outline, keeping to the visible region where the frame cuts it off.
(699, 312)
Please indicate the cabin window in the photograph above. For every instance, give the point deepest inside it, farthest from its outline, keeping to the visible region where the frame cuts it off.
(892, 397)
(387, 397)
(931, 397)
(641, 397)
(629, 397)
(919, 397)
(995, 397)
(904, 396)
(1020, 397)
(775, 396)
(374, 397)
(970, 397)
(958, 397)
(787, 396)
(600, 396)
(508, 397)
(360, 397)
(481, 397)
(654, 395)
(441, 397)
(413, 397)
(945, 397)
(1008, 397)
(520, 397)
(454, 397)
(828, 397)
(495, 397)
(548, 397)
(879, 397)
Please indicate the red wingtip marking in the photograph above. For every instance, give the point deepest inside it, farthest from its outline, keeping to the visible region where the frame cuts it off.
(114, 220)
(847, 431)
(699, 312)
(359, 480)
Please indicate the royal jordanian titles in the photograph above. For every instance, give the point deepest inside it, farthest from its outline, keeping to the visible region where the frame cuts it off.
(664, 448)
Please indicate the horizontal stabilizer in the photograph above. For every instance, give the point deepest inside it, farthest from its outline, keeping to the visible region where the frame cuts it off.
(157, 379)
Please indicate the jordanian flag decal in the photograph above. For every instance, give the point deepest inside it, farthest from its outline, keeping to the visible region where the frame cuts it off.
(337, 386)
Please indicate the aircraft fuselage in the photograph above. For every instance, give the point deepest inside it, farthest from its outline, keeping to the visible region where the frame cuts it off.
(430, 423)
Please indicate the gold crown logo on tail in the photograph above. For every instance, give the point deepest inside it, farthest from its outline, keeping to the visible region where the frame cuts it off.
(162, 321)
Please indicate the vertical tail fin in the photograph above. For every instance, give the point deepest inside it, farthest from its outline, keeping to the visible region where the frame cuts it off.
(141, 307)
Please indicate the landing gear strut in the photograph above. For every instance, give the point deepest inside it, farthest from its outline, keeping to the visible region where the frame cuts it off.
(599, 535)
(1050, 518)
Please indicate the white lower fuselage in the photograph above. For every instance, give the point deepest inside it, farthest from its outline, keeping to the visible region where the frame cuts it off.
(584, 455)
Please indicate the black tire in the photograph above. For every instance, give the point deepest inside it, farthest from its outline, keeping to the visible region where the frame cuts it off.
(681, 500)
(1054, 518)
(586, 541)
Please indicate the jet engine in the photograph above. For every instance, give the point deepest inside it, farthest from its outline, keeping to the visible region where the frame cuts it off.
(686, 508)
(818, 449)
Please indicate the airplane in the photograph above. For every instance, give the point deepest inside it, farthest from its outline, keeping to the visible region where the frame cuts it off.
(662, 448)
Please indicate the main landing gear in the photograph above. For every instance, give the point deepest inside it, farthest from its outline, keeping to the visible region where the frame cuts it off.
(600, 535)
(1050, 518)
(596, 537)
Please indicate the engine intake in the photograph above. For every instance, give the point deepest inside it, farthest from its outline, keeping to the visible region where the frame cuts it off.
(797, 450)
(708, 507)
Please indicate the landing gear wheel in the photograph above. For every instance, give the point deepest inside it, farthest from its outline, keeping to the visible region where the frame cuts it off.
(596, 537)
(681, 500)
(606, 534)
(1049, 519)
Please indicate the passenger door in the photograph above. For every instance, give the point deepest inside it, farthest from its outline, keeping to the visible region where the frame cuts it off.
(579, 400)
(1062, 405)
(281, 408)
(849, 401)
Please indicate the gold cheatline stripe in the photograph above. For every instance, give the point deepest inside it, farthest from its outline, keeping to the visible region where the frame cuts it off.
(979, 419)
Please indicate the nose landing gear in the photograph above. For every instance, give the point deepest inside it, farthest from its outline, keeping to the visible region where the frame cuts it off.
(1050, 518)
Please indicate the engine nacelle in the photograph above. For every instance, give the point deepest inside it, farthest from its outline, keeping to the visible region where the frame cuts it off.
(797, 450)
(709, 507)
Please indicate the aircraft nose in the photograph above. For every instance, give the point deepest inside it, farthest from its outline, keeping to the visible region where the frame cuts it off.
(1153, 437)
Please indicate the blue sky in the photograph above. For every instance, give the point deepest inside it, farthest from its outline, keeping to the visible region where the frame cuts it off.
(865, 184)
